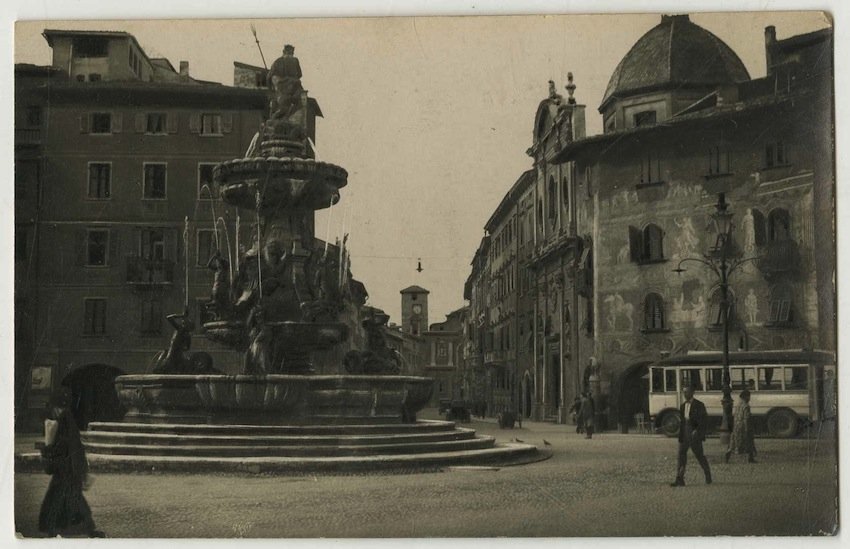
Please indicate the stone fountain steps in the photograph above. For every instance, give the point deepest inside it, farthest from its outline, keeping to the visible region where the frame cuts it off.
(93, 438)
(421, 426)
(305, 450)
(501, 455)
(292, 448)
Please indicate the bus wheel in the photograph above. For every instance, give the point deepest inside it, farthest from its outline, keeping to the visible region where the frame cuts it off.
(670, 422)
(782, 423)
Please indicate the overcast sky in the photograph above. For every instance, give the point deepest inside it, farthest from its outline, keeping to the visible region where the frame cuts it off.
(430, 116)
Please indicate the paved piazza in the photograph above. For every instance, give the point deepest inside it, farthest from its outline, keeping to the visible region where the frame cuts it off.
(612, 485)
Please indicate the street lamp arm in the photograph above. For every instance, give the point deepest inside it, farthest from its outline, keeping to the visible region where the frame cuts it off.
(738, 263)
(706, 262)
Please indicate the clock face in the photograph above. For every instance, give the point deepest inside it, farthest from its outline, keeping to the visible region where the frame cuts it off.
(417, 309)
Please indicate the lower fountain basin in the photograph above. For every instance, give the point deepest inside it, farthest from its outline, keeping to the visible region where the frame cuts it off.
(273, 399)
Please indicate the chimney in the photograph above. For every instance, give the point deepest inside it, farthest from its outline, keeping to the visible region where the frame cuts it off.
(769, 42)
(184, 68)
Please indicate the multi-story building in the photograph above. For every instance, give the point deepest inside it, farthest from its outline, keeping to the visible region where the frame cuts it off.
(614, 214)
(116, 210)
(442, 357)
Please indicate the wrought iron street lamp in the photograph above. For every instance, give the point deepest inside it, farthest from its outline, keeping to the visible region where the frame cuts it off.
(723, 260)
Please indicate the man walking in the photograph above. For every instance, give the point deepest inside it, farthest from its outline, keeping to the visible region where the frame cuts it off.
(691, 434)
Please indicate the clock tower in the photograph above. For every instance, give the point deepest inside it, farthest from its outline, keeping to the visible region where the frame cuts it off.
(414, 310)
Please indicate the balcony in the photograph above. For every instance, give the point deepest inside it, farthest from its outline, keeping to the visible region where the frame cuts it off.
(780, 260)
(144, 272)
(27, 137)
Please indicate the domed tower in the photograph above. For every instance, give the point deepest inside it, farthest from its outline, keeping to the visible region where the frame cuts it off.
(671, 67)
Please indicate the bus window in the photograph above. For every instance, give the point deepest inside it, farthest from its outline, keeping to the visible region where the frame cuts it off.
(796, 378)
(657, 380)
(768, 379)
(670, 380)
(714, 379)
(743, 378)
(692, 378)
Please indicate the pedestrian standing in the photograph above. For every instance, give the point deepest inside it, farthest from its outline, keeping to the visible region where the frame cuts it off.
(64, 510)
(587, 413)
(742, 440)
(574, 412)
(692, 429)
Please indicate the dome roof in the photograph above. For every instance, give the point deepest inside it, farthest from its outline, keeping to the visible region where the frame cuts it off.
(674, 53)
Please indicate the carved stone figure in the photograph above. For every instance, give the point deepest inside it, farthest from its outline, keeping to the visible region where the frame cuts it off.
(378, 358)
(219, 303)
(174, 360)
(259, 360)
(285, 80)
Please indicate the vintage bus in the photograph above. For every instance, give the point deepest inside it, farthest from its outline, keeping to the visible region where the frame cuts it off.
(788, 388)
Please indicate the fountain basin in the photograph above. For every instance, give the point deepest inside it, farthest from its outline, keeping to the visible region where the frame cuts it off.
(301, 183)
(273, 399)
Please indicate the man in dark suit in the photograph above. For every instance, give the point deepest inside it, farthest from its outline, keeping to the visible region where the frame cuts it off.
(691, 434)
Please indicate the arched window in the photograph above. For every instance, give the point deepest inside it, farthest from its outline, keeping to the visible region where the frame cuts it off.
(565, 192)
(540, 213)
(653, 249)
(778, 225)
(759, 228)
(653, 313)
(781, 312)
(715, 312)
(553, 201)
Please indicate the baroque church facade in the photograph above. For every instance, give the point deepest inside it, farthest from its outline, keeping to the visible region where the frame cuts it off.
(600, 225)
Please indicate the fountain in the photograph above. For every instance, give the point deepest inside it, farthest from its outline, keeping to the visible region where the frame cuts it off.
(279, 306)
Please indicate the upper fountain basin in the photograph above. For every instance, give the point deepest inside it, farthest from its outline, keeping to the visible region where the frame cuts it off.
(298, 183)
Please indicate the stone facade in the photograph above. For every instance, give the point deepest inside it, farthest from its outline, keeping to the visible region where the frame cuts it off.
(613, 215)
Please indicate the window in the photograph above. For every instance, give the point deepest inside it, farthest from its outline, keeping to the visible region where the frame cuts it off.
(652, 243)
(210, 124)
(155, 123)
(692, 377)
(100, 180)
(205, 179)
(101, 122)
(644, 118)
(768, 379)
(713, 379)
(670, 381)
(151, 317)
(97, 245)
(718, 161)
(653, 313)
(94, 77)
(154, 186)
(781, 312)
(91, 46)
(775, 154)
(759, 228)
(743, 378)
(33, 116)
(650, 168)
(796, 378)
(206, 246)
(646, 246)
(152, 244)
(657, 380)
(94, 320)
(552, 200)
(778, 225)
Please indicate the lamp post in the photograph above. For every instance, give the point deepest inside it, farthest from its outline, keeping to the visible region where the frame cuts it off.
(722, 260)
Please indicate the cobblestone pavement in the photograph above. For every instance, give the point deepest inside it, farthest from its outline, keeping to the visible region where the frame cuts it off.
(612, 485)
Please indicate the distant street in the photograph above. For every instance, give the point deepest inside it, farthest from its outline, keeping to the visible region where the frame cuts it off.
(612, 485)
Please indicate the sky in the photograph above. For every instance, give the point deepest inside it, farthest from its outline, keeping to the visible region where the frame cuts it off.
(431, 116)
